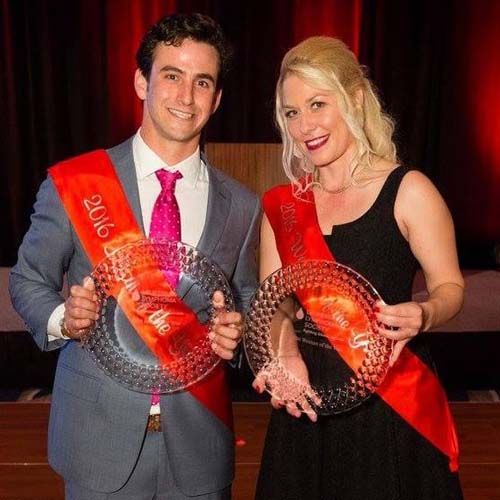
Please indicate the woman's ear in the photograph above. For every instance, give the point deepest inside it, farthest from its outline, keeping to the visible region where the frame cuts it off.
(359, 97)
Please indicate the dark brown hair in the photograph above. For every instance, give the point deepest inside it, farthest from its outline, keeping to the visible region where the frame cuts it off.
(174, 29)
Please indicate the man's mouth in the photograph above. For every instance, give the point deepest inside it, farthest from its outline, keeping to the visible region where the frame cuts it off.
(181, 114)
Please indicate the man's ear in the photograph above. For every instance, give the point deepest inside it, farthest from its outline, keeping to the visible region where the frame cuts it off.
(140, 84)
(217, 98)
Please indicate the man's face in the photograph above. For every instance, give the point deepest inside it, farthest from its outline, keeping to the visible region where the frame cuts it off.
(180, 95)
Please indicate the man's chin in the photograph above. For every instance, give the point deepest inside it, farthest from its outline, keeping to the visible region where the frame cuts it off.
(180, 137)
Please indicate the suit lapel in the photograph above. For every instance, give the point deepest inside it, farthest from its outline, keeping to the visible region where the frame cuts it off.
(123, 161)
(219, 205)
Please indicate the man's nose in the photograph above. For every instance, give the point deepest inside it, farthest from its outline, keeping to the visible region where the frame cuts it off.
(185, 94)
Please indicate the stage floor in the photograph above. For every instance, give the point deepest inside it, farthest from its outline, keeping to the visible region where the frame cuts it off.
(25, 474)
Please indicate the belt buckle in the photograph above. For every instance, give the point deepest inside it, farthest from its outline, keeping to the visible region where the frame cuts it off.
(154, 423)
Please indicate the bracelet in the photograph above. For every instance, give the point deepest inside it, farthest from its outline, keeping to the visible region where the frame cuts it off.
(65, 333)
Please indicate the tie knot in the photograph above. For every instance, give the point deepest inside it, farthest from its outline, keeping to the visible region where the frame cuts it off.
(168, 179)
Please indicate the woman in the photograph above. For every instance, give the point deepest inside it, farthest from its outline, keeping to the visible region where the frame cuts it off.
(383, 220)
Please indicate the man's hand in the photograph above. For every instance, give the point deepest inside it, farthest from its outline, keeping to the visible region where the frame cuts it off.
(80, 309)
(227, 331)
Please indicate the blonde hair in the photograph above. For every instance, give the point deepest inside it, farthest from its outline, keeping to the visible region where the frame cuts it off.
(328, 64)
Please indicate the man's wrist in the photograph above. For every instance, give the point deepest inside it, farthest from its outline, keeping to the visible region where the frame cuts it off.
(65, 333)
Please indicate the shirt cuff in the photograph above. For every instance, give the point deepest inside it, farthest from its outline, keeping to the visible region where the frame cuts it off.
(54, 324)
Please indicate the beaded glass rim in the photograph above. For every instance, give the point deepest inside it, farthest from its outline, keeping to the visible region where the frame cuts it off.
(114, 357)
(265, 362)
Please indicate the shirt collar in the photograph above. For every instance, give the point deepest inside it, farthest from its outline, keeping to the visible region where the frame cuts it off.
(147, 162)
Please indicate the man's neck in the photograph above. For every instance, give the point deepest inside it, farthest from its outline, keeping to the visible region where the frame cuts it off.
(171, 152)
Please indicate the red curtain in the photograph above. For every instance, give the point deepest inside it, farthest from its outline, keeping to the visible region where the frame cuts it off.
(480, 66)
(471, 127)
(339, 18)
(67, 72)
(126, 23)
(127, 20)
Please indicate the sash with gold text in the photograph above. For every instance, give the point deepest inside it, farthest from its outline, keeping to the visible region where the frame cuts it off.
(410, 388)
(98, 209)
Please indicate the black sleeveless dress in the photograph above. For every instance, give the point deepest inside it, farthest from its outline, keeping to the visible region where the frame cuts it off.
(370, 452)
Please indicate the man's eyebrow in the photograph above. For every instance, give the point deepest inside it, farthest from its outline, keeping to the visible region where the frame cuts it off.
(201, 76)
(206, 76)
(172, 68)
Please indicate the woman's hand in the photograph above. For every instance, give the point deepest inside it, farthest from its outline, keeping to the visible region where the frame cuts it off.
(291, 394)
(402, 322)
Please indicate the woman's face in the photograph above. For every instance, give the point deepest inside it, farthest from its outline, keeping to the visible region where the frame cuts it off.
(315, 123)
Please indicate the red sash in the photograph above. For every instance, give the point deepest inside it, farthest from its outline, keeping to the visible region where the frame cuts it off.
(98, 209)
(410, 388)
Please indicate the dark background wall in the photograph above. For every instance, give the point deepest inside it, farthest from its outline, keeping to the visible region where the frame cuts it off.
(66, 87)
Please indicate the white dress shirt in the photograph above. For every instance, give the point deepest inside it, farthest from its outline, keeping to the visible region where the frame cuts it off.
(191, 193)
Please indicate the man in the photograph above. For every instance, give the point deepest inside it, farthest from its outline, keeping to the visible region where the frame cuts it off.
(105, 440)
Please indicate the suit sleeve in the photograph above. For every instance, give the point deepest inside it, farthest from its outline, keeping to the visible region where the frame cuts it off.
(37, 278)
(245, 277)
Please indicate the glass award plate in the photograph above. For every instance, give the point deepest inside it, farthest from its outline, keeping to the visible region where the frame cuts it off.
(311, 337)
(148, 337)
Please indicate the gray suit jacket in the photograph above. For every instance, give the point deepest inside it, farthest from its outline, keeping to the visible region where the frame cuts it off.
(97, 426)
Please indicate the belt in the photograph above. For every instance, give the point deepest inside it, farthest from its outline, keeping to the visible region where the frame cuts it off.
(154, 423)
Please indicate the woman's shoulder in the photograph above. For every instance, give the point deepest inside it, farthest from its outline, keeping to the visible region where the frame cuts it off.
(414, 183)
(278, 190)
(418, 198)
(277, 194)
(299, 186)
(405, 180)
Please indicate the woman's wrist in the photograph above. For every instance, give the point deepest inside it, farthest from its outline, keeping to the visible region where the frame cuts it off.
(426, 316)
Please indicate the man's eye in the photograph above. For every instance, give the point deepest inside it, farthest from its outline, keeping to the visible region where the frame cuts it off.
(171, 76)
(204, 84)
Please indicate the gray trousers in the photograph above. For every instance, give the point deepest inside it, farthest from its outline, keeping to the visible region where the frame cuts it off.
(151, 479)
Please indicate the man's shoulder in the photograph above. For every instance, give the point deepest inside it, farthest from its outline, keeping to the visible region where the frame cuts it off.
(120, 151)
(82, 160)
(237, 188)
(79, 161)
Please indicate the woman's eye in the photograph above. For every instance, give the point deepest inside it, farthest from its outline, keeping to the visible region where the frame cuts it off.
(317, 105)
(290, 114)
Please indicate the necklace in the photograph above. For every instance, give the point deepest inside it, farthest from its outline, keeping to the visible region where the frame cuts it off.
(341, 189)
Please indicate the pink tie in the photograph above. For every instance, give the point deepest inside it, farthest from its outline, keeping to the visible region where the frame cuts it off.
(166, 218)
(166, 224)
